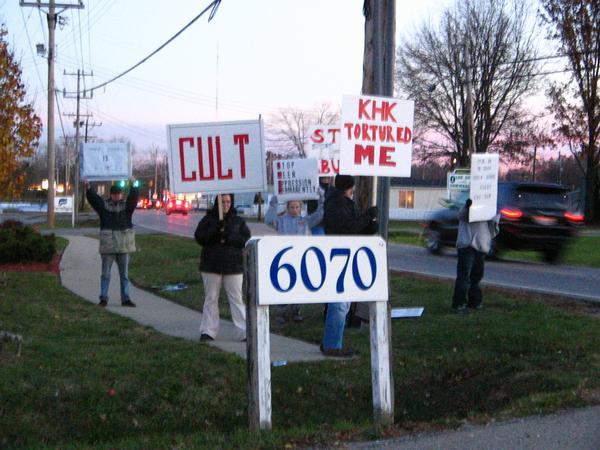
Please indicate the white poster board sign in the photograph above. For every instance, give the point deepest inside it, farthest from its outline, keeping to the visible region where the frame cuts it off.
(216, 158)
(323, 144)
(321, 269)
(63, 204)
(376, 136)
(105, 161)
(484, 186)
(296, 179)
(459, 181)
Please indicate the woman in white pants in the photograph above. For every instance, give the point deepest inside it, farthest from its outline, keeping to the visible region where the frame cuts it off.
(221, 263)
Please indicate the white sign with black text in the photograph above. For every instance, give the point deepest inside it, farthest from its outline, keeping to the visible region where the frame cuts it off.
(217, 157)
(296, 179)
(376, 136)
(63, 204)
(105, 161)
(484, 186)
(321, 269)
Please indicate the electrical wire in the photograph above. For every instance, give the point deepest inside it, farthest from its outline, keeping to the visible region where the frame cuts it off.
(214, 5)
(37, 70)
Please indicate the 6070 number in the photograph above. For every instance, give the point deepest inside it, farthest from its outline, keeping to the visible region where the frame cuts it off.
(343, 253)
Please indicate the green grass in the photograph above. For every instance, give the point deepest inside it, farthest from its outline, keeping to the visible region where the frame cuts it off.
(516, 357)
(63, 221)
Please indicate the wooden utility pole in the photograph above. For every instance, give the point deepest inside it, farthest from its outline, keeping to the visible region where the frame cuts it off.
(52, 19)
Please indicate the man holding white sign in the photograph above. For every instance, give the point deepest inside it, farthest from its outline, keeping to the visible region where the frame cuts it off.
(477, 227)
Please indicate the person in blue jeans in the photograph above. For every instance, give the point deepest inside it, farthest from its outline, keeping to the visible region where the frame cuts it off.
(473, 242)
(342, 217)
(117, 237)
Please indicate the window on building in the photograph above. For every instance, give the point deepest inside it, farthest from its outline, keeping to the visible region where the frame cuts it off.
(406, 199)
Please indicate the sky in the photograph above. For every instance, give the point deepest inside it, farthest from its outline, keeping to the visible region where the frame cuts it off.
(254, 57)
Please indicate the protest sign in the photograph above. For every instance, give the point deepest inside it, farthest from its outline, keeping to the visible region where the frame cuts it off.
(324, 145)
(105, 161)
(218, 157)
(376, 136)
(296, 179)
(484, 186)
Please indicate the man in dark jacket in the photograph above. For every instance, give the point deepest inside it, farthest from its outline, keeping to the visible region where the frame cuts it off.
(117, 238)
(341, 217)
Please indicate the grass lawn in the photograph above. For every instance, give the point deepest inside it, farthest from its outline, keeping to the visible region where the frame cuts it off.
(89, 379)
(64, 221)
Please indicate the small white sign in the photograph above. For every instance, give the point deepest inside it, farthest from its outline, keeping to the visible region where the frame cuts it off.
(321, 269)
(63, 204)
(324, 145)
(105, 161)
(484, 186)
(376, 136)
(459, 181)
(399, 313)
(296, 179)
(217, 157)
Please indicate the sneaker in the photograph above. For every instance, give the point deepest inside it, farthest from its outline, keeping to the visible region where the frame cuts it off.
(476, 307)
(338, 352)
(205, 337)
(128, 303)
(460, 310)
(103, 303)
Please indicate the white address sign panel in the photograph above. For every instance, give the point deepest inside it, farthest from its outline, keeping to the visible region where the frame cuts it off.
(321, 269)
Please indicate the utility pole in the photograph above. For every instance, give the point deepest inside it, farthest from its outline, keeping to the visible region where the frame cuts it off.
(78, 96)
(52, 19)
(89, 125)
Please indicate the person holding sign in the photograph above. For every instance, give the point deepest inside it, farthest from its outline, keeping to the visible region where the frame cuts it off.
(341, 217)
(117, 237)
(292, 222)
(473, 242)
(222, 235)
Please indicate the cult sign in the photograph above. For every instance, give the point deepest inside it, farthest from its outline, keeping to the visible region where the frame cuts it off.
(216, 157)
(376, 136)
(324, 145)
(321, 269)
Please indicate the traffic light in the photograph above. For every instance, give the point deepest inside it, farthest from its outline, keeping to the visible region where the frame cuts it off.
(136, 183)
(122, 184)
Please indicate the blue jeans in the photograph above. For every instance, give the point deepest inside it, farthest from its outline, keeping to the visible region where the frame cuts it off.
(469, 272)
(317, 230)
(122, 264)
(334, 325)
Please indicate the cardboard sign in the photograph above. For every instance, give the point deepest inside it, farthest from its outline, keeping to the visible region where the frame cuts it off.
(105, 161)
(459, 181)
(296, 179)
(324, 145)
(216, 157)
(484, 186)
(376, 136)
(321, 269)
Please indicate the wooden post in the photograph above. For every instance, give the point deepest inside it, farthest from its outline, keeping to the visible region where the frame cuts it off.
(383, 411)
(258, 349)
(220, 205)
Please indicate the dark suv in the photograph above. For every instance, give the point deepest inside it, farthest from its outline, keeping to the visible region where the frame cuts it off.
(533, 216)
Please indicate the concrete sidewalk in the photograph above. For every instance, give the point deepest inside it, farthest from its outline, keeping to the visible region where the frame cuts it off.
(80, 269)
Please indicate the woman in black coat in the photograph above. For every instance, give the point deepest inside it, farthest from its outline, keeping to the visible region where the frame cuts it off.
(221, 262)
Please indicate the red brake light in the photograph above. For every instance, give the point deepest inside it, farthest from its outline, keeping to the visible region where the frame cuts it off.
(512, 214)
(574, 217)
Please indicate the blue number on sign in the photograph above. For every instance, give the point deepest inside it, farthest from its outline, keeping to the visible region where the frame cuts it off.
(304, 271)
(275, 268)
(356, 274)
(339, 286)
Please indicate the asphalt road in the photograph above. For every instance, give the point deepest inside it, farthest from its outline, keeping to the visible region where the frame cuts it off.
(568, 281)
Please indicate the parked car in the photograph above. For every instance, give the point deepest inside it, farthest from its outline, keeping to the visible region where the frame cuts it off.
(533, 216)
(144, 203)
(174, 205)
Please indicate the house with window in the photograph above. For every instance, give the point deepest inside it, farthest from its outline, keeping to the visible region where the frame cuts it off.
(412, 199)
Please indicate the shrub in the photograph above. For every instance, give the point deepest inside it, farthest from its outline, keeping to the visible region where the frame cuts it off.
(20, 244)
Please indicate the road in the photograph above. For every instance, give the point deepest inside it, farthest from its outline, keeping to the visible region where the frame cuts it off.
(575, 282)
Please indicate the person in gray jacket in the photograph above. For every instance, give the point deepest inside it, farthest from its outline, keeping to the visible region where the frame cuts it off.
(473, 242)
(117, 237)
(292, 222)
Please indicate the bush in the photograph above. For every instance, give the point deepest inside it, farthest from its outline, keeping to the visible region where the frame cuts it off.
(21, 244)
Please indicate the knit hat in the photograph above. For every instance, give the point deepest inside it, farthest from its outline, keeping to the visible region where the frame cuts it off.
(344, 182)
(114, 189)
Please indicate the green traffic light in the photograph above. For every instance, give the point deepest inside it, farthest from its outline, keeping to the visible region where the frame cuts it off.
(136, 183)
(122, 183)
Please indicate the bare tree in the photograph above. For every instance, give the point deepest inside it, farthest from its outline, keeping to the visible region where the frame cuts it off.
(575, 24)
(497, 37)
(288, 129)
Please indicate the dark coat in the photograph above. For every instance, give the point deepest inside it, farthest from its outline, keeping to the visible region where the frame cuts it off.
(114, 215)
(341, 216)
(222, 243)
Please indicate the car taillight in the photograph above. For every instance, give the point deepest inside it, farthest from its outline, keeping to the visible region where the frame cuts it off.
(574, 217)
(158, 204)
(511, 214)
(186, 205)
(170, 204)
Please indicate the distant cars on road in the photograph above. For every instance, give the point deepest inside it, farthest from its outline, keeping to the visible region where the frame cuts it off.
(174, 205)
(533, 216)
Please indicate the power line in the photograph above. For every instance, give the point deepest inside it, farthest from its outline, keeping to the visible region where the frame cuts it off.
(213, 6)
(37, 70)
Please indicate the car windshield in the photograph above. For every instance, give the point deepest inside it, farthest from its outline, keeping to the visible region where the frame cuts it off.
(542, 198)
